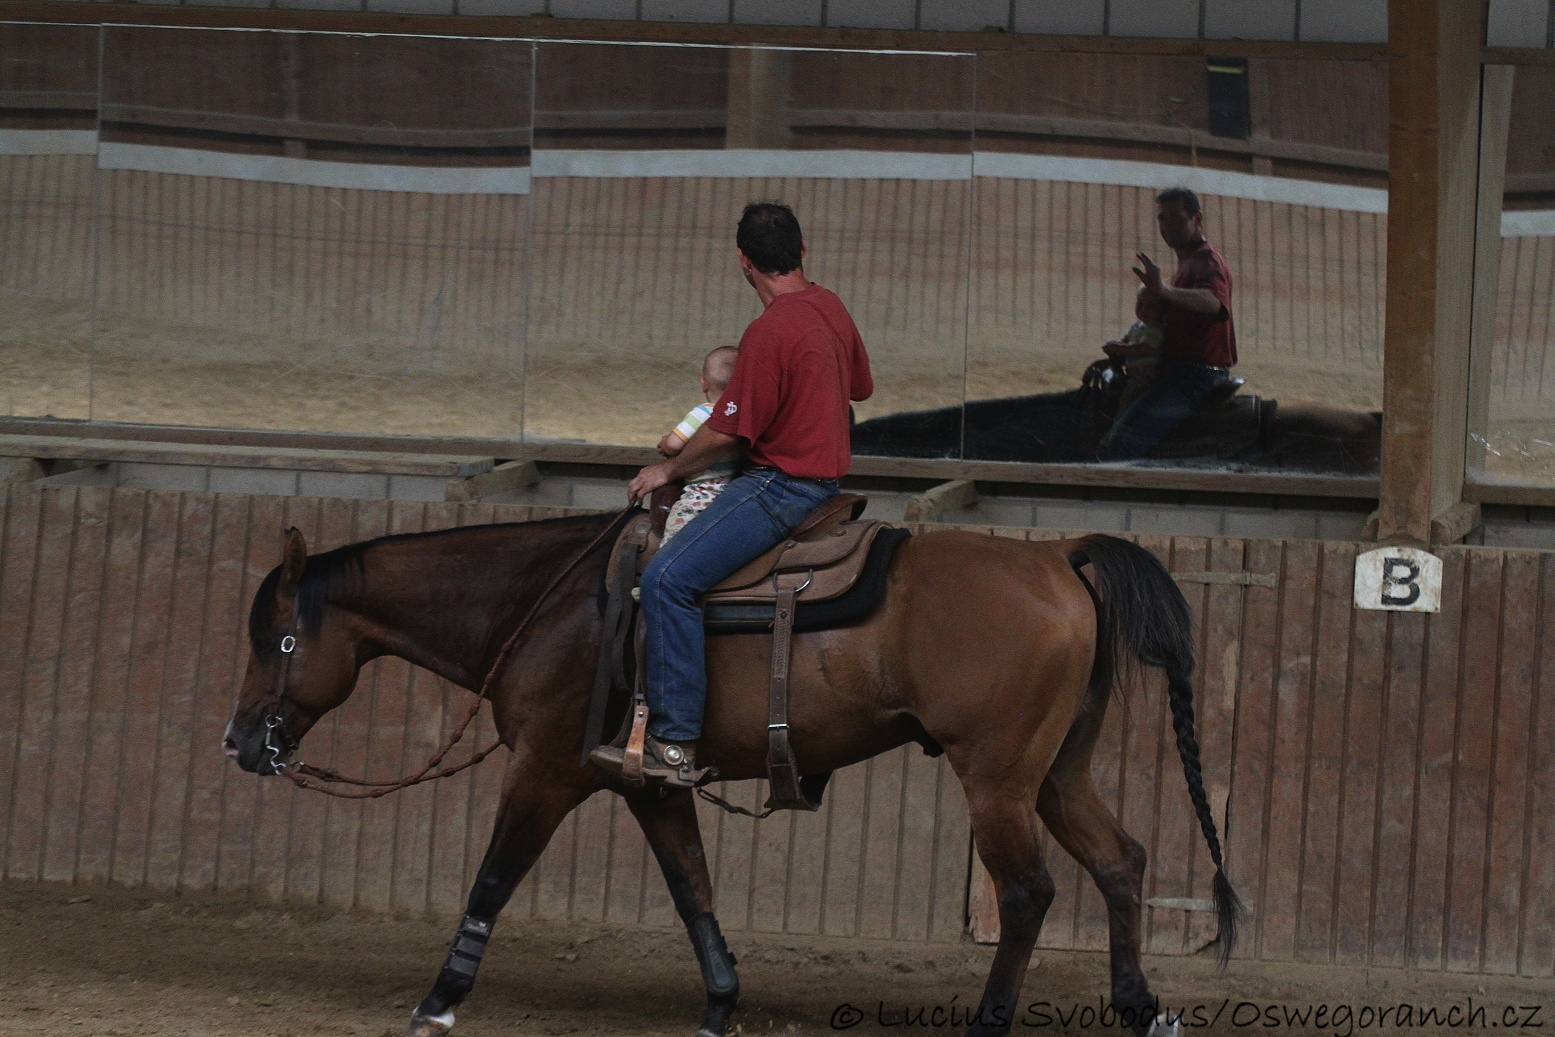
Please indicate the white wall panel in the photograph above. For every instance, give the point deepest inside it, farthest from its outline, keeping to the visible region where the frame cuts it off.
(1250, 19)
(1169, 18)
(1065, 17)
(777, 12)
(1344, 21)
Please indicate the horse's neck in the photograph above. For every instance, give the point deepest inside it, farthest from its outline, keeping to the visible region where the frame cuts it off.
(449, 603)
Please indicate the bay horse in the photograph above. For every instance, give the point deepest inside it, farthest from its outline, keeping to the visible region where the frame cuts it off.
(1002, 652)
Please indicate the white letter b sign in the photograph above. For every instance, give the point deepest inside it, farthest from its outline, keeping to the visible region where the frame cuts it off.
(1398, 579)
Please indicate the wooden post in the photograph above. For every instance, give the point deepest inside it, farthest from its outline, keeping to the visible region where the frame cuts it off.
(1495, 112)
(758, 99)
(1260, 103)
(1433, 161)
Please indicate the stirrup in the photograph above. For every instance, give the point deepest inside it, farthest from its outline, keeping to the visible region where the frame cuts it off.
(683, 773)
(672, 764)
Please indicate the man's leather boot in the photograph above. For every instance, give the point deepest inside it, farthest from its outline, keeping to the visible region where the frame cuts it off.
(672, 763)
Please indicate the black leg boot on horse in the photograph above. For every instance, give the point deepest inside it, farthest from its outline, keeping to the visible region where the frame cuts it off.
(528, 818)
(669, 821)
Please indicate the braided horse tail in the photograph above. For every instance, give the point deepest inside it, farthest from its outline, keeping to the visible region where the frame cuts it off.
(1142, 618)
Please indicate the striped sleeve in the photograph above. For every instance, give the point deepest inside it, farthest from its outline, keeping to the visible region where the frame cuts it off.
(693, 420)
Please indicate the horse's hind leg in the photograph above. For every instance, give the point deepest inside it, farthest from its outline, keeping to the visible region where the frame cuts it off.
(669, 821)
(1075, 813)
(528, 817)
(1005, 829)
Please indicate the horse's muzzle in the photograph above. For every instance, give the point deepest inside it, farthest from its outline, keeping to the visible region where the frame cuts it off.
(260, 745)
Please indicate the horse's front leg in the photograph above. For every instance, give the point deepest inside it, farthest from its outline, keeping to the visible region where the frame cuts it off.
(532, 807)
(669, 820)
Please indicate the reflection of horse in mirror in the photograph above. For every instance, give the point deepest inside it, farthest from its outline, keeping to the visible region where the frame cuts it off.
(1236, 430)
(999, 652)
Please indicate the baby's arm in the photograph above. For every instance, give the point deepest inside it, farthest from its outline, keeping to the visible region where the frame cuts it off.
(671, 444)
(675, 440)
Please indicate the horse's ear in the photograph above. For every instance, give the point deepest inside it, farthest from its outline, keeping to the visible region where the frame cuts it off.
(294, 558)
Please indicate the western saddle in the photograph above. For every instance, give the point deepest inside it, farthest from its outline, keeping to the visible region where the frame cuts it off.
(821, 560)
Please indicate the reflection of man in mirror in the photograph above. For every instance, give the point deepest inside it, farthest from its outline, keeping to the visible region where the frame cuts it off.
(1199, 344)
(786, 409)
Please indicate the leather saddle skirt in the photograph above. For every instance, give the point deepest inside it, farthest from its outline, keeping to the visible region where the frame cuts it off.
(839, 561)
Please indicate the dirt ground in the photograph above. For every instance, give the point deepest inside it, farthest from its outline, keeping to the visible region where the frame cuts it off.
(127, 963)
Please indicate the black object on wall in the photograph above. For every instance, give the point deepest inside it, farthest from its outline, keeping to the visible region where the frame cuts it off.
(1230, 113)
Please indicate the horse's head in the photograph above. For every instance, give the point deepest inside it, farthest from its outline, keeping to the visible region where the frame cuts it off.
(302, 663)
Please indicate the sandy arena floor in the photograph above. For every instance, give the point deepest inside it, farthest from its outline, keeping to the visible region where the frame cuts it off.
(117, 963)
(50, 366)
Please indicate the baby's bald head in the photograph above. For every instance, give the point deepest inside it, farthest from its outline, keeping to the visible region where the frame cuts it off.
(718, 368)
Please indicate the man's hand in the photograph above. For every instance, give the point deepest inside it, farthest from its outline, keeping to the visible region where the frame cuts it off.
(1198, 300)
(1148, 273)
(706, 447)
(646, 481)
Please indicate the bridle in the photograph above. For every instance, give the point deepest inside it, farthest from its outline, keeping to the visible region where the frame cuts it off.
(307, 776)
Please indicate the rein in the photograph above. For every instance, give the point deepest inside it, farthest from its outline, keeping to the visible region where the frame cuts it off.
(300, 773)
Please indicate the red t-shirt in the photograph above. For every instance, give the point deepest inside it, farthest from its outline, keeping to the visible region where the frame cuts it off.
(800, 363)
(1201, 338)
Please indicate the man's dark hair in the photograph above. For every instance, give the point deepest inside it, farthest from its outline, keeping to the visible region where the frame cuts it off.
(769, 236)
(1183, 197)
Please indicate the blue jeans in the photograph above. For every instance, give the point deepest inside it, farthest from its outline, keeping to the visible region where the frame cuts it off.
(1170, 399)
(760, 508)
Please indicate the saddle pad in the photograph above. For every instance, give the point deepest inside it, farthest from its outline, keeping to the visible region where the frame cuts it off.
(851, 607)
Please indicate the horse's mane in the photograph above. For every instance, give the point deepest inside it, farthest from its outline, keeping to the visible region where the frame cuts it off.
(338, 573)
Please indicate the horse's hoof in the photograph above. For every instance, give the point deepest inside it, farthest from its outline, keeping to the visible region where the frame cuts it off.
(430, 1025)
(1165, 1026)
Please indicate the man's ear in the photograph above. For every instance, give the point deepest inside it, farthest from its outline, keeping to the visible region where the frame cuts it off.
(294, 559)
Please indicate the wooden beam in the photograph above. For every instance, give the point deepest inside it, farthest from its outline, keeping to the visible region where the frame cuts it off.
(631, 119)
(545, 27)
(1433, 146)
(1457, 522)
(505, 478)
(751, 121)
(1529, 183)
(947, 496)
(235, 456)
(1518, 56)
(1026, 125)
(69, 100)
(1515, 494)
(149, 116)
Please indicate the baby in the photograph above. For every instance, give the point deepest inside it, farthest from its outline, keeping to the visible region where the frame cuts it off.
(1140, 347)
(700, 490)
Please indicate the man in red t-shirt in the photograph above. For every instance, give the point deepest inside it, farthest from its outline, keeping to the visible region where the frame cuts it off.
(786, 408)
(1199, 347)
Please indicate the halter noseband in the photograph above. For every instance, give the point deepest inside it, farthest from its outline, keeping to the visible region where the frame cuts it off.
(275, 738)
